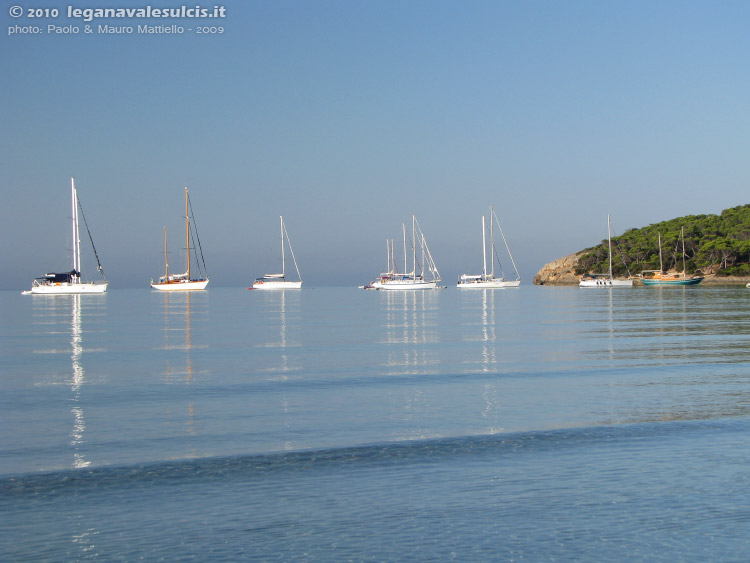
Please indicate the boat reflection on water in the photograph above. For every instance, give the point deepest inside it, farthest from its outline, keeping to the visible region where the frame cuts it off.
(411, 331)
(62, 316)
(178, 313)
(281, 307)
(479, 330)
(411, 337)
(77, 380)
(479, 326)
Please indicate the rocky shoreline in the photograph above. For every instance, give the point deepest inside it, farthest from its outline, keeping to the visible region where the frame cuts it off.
(562, 272)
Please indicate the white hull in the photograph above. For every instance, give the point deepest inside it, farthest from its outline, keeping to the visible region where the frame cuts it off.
(181, 285)
(277, 285)
(605, 282)
(408, 285)
(67, 289)
(487, 284)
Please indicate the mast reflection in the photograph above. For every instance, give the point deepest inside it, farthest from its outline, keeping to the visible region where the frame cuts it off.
(177, 308)
(479, 327)
(280, 307)
(410, 329)
(178, 335)
(61, 316)
(483, 300)
(77, 380)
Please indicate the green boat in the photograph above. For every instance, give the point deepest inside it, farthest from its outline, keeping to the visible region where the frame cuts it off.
(661, 278)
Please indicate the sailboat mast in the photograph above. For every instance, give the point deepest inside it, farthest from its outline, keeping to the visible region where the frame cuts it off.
(187, 232)
(492, 244)
(682, 234)
(403, 228)
(661, 265)
(609, 240)
(283, 261)
(484, 250)
(166, 265)
(423, 260)
(414, 245)
(76, 233)
(73, 222)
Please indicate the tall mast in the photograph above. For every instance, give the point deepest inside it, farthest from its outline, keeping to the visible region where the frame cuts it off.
(387, 256)
(492, 243)
(394, 263)
(484, 250)
(166, 265)
(283, 265)
(661, 266)
(609, 240)
(414, 245)
(187, 232)
(682, 233)
(403, 228)
(76, 234)
(421, 272)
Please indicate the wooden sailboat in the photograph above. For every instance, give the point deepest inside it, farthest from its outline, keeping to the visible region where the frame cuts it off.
(605, 280)
(662, 277)
(185, 281)
(279, 281)
(487, 280)
(67, 283)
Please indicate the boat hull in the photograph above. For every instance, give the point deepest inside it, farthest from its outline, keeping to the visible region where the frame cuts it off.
(277, 285)
(190, 285)
(404, 285)
(67, 289)
(488, 284)
(681, 282)
(603, 282)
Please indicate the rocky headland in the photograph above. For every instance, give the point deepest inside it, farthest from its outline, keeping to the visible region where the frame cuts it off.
(559, 272)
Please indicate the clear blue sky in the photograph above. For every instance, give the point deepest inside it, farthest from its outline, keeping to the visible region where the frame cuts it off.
(347, 117)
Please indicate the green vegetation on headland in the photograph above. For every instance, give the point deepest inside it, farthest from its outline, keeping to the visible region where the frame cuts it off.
(714, 244)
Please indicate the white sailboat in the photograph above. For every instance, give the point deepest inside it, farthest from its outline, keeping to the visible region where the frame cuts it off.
(605, 280)
(279, 281)
(184, 281)
(67, 283)
(488, 280)
(410, 280)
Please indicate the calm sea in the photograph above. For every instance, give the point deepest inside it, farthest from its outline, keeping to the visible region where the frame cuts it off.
(335, 424)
